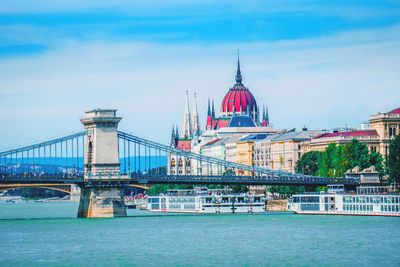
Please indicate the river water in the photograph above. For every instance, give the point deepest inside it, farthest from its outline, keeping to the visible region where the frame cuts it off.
(48, 234)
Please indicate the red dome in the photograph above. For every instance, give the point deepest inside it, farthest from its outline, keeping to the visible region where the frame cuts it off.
(395, 111)
(239, 98)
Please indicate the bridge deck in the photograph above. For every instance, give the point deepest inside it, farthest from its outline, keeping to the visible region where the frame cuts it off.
(181, 179)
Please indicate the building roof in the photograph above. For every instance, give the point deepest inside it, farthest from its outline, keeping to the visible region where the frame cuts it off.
(184, 144)
(350, 133)
(298, 136)
(254, 137)
(238, 99)
(221, 123)
(213, 142)
(241, 121)
(395, 111)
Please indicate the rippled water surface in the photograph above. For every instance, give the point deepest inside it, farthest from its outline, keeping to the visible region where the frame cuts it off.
(47, 234)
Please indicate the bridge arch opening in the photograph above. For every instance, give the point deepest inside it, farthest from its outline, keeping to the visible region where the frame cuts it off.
(41, 192)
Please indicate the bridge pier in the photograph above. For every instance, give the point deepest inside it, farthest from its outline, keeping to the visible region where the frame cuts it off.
(101, 163)
(99, 202)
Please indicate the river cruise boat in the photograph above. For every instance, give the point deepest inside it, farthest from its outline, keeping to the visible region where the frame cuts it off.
(203, 200)
(366, 201)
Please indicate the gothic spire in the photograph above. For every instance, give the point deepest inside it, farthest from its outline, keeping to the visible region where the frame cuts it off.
(263, 116)
(173, 132)
(173, 137)
(195, 120)
(187, 125)
(238, 73)
(265, 119)
(213, 110)
(209, 108)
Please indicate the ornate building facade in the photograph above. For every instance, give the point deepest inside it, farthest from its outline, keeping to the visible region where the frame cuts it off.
(239, 134)
(239, 116)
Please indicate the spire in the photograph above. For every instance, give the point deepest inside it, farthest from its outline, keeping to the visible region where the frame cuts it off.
(173, 136)
(195, 120)
(213, 110)
(265, 118)
(187, 125)
(263, 114)
(209, 108)
(173, 131)
(238, 73)
(176, 132)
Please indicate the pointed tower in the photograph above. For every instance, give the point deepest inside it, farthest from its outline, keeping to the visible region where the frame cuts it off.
(265, 119)
(195, 118)
(239, 98)
(263, 115)
(176, 133)
(209, 118)
(173, 136)
(187, 125)
(213, 110)
(238, 77)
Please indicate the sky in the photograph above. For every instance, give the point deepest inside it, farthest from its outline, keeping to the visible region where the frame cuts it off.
(320, 64)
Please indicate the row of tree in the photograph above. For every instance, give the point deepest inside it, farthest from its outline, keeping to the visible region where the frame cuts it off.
(336, 160)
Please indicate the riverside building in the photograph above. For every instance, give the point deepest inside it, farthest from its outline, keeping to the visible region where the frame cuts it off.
(382, 127)
(239, 116)
(242, 135)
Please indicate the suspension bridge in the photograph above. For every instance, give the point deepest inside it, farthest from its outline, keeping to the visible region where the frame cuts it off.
(102, 161)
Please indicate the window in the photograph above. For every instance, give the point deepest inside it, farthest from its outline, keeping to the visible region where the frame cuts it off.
(309, 207)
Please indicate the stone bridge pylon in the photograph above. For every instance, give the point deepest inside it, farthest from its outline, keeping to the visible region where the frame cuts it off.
(101, 196)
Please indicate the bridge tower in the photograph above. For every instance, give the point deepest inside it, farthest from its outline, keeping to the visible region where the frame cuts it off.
(100, 196)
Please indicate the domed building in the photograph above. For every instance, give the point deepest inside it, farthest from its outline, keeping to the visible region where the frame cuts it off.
(239, 113)
(238, 108)
(239, 117)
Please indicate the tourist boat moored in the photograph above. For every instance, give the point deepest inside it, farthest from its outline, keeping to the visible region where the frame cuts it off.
(366, 201)
(203, 200)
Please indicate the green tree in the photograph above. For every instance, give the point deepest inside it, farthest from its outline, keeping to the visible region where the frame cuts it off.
(376, 159)
(286, 190)
(356, 154)
(331, 160)
(157, 189)
(337, 159)
(393, 160)
(309, 163)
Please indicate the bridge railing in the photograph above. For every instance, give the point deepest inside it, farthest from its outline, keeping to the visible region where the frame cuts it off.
(227, 168)
(62, 155)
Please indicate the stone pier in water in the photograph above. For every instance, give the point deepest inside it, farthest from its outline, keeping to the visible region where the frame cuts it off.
(101, 165)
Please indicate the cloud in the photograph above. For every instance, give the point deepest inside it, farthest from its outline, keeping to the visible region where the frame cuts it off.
(320, 82)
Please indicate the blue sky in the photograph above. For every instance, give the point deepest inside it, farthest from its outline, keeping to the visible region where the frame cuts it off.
(315, 63)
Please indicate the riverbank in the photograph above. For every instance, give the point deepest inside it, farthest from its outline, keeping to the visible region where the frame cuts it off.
(278, 205)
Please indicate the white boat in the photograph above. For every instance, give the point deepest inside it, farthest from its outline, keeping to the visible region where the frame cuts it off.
(203, 200)
(366, 201)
